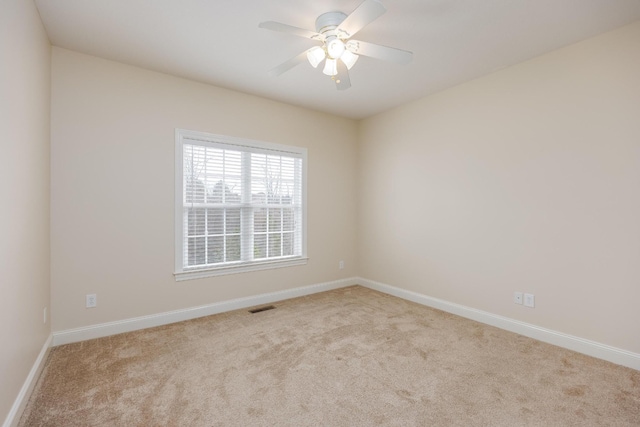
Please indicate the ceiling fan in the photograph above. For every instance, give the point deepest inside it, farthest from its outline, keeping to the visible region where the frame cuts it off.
(339, 51)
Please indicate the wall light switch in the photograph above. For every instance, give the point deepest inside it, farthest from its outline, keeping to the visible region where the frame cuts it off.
(529, 300)
(92, 300)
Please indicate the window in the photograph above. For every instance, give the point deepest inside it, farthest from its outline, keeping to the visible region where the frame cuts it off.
(240, 205)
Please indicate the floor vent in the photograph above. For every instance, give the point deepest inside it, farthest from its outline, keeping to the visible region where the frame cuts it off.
(265, 308)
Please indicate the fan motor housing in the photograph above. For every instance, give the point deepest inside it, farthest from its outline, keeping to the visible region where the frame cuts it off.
(329, 21)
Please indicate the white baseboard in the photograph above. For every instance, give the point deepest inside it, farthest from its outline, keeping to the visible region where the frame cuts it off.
(13, 418)
(136, 323)
(581, 345)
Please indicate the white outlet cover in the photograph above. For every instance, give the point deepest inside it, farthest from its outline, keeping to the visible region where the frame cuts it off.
(517, 297)
(529, 300)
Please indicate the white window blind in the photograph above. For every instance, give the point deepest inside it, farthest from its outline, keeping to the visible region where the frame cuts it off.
(240, 205)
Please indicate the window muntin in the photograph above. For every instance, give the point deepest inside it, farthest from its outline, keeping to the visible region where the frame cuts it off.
(241, 204)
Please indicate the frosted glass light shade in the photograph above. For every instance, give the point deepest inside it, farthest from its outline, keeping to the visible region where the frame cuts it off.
(335, 48)
(349, 59)
(330, 67)
(315, 55)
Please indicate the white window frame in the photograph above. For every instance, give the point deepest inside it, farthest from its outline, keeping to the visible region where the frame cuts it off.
(188, 136)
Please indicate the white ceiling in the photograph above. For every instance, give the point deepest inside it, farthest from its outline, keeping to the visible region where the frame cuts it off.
(219, 42)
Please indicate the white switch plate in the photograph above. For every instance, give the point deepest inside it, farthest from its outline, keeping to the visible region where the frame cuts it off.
(517, 297)
(92, 300)
(529, 300)
(341, 265)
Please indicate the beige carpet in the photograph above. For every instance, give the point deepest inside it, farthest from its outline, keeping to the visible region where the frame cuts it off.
(350, 357)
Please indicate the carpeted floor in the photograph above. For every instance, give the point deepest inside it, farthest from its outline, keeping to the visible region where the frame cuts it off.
(349, 357)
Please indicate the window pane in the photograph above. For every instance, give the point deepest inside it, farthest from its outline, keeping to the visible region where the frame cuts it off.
(288, 223)
(233, 221)
(273, 179)
(287, 244)
(195, 190)
(232, 190)
(275, 220)
(215, 221)
(260, 220)
(195, 250)
(288, 169)
(195, 222)
(214, 173)
(258, 193)
(216, 193)
(260, 246)
(215, 250)
(258, 181)
(233, 248)
(194, 157)
(274, 245)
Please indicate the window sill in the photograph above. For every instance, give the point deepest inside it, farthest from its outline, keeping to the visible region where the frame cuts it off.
(238, 268)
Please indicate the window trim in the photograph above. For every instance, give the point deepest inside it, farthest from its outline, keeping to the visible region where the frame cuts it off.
(179, 272)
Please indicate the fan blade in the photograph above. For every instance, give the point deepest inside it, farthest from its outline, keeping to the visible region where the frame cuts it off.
(366, 13)
(287, 65)
(342, 78)
(380, 52)
(284, 28)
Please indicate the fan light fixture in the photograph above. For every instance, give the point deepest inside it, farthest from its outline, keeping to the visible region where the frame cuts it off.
(315, 55)
(331, 51)
(334, 30)
(335, 48)
(349, 58)
(330, 67)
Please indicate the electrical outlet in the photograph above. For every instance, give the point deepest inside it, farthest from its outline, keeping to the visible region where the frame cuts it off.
(517, 297)
(92, 300)
(529, 300)
(44, 315)
(341, 265)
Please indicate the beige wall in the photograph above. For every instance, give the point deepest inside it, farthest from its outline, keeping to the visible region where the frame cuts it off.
(24, 190)
(112, 178)
(527, 179)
